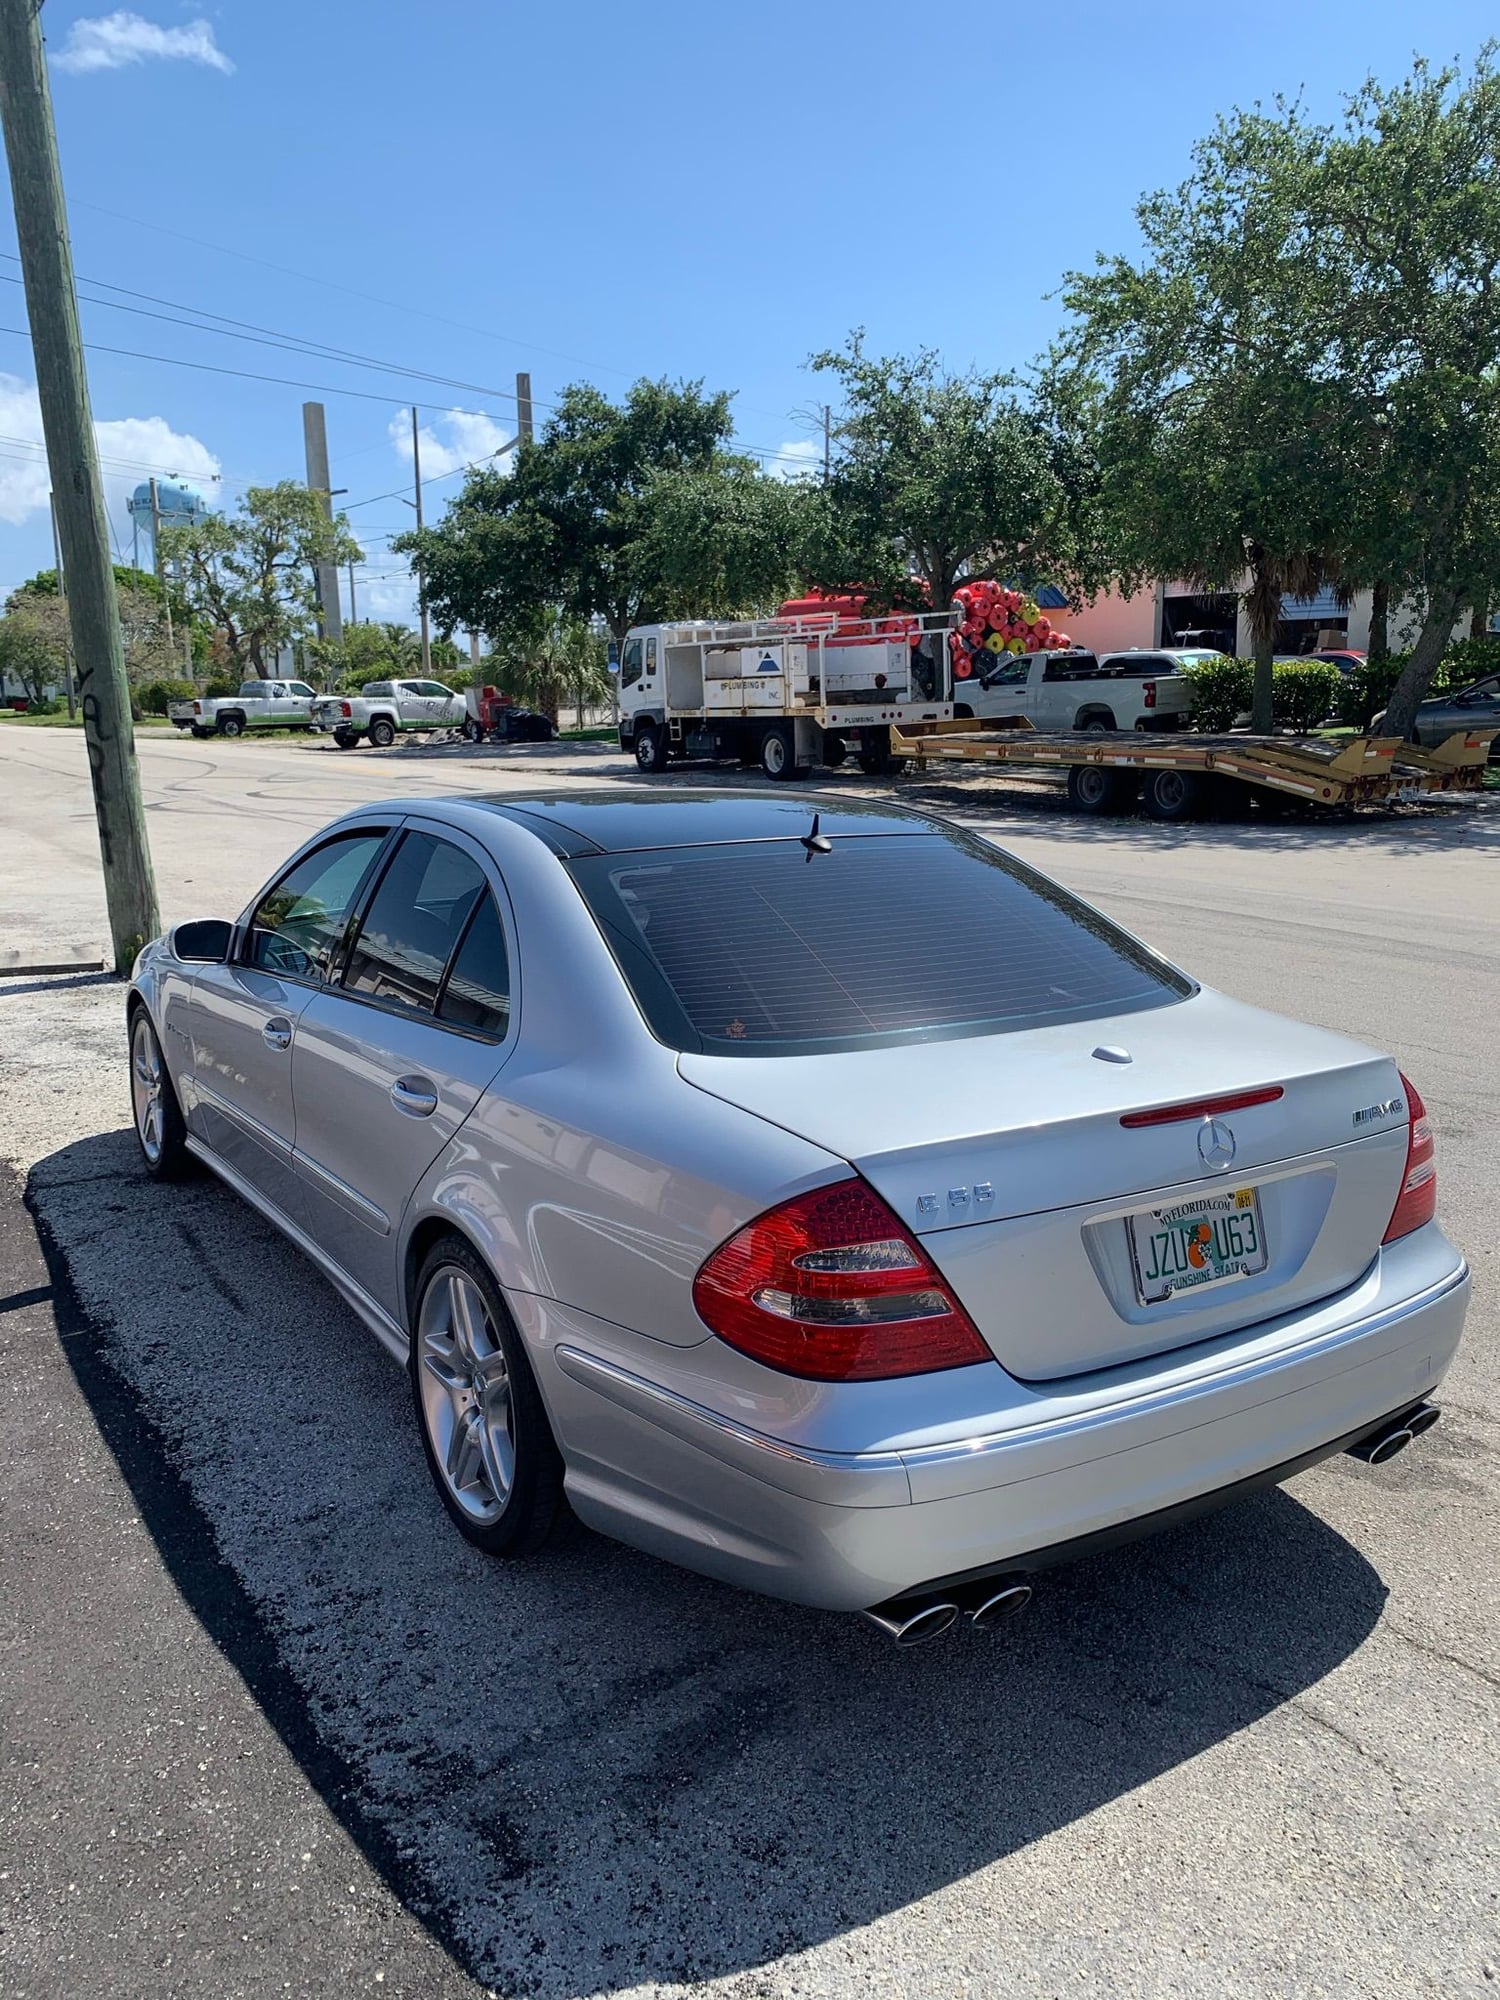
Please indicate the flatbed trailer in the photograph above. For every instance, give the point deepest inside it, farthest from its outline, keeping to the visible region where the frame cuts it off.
(1176, 777)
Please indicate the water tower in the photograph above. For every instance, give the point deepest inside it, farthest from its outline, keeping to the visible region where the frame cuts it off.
(176, 503)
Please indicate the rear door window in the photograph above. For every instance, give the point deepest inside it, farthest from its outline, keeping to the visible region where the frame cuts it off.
(416, 917)
(763, 949)
(476, 994)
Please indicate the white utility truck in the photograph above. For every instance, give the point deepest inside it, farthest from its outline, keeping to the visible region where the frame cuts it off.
(383, 709)
(782, 692)
(258, 705)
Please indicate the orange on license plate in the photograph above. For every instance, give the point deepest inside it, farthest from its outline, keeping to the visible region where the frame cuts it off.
(1204, 1241)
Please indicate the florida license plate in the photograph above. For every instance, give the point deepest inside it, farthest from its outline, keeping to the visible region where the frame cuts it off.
(1192, 1243)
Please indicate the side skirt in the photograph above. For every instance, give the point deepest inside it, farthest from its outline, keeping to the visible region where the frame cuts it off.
(375, 1317)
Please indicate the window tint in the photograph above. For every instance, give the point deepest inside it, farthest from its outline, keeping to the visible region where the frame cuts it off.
(757, 949)
(477, 995)
(299, 923)
(432, 688)
(630, 663)
(301, 688)
(413, 923)
(1070, 667)
(378, 689)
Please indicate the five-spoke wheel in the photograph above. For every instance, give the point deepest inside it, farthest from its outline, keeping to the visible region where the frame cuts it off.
(157, 1116)
(485, 1431)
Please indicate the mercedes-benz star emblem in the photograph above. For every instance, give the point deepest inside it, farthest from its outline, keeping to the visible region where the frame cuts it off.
(1216, 1145)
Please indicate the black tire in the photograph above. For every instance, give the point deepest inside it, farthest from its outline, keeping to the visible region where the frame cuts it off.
(778, 753)
(835, 750)
(652, 749)
(444, 1367)
(345, 739)
(163, 1144)
(880, 764)
(231, 725)
(1175, 795)
(382, 732)
(472, 732)
(1093, 789)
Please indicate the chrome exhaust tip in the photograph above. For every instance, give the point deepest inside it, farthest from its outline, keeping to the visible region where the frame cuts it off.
(1001, 1603)
(914, 1626)
(1395, 1435)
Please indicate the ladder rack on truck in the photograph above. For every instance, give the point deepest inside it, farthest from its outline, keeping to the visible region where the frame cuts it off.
(785, 692)
(1176, 775)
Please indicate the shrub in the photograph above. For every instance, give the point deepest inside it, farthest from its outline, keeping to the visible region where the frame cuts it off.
(1304, 694)
(220, 685)
(1365, 692)
(153, 697)
(1221, 691)
(1469, 661)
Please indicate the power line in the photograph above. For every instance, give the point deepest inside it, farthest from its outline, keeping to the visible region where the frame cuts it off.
(372, 298)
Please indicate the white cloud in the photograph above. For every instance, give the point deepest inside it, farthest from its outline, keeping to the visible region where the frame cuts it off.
(114, 41)
(130, 450)
(797, 457)
(455, 439)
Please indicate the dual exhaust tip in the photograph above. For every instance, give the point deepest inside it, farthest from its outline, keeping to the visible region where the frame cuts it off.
(990, 1603)
(1394, 1434)
(986, 1605)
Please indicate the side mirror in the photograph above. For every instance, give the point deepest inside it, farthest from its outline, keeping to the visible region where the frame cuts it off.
(205, 942)
(612, 656)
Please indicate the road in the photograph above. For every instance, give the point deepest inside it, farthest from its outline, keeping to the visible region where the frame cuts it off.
(271, 1726)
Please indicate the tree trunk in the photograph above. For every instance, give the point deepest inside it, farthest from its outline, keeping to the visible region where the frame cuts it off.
(1263, 602)
(1416, 676)
(1380, 621)
(1262, 700)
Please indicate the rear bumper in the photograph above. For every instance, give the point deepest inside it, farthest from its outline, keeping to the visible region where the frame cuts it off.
(655, 1466)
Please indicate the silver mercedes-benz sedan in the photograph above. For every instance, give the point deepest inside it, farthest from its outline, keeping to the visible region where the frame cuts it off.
(809, 1192)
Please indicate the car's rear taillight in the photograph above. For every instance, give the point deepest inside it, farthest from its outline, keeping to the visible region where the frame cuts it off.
(197, 708)
(1417, 1201)
(832, 1286)
(1148, 689)
(346, 708)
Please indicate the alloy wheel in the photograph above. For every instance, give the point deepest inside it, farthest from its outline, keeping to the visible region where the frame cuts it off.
(466, 1395)
(146, 1085)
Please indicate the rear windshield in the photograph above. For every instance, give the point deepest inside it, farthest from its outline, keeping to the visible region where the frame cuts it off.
(761, 948)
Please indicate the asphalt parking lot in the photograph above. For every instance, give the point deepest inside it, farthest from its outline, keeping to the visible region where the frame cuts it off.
(271, 1726)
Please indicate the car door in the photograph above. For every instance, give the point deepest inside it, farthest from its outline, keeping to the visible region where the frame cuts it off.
(1006, 688)
(1476, 708)
(391, 1061)
(245, 1013)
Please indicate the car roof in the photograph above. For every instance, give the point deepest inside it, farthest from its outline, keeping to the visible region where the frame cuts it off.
(620, 821)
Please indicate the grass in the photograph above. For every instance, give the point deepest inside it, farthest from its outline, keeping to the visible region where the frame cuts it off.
(605, 733)
(62, 720)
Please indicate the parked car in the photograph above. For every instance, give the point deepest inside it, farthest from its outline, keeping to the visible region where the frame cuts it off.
(1474, 707)
(811, 1193)
(1345, 658)
(1078, 689)
(383, 709)
(258, 705)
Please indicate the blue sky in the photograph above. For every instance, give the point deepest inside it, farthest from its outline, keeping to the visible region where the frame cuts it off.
(597, 191)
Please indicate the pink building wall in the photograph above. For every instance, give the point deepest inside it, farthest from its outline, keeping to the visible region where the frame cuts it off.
(1112, 623)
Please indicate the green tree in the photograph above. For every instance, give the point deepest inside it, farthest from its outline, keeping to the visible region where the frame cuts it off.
(33, 643)
(251, 575)
(1222, 438)
(546, 658)
(577, 527)
(1403, 216)
(942, 476)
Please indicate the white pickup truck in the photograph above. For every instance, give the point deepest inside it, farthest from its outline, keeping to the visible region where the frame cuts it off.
(1080, 690)
(258, 705)
(382, 709)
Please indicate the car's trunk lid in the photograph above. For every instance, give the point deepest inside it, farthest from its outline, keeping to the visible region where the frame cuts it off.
(1007, 1156)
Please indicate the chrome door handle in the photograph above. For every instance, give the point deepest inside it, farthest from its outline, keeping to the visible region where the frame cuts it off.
(415, 1096)
(277, 1034)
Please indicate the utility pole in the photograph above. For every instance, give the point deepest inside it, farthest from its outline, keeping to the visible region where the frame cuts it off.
(62, 595)
(416, 466)
(315, 442)
(73, 460)
(157, 564)
(827, 442)
(524, 430)
(353, 615)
